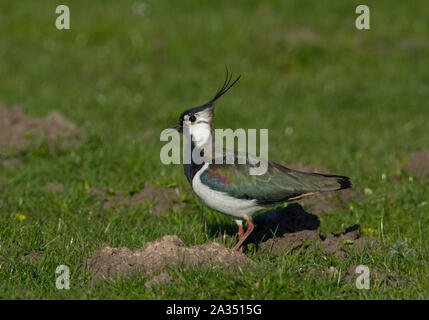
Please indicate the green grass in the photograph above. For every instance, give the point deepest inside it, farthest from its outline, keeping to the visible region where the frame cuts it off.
(357, 102)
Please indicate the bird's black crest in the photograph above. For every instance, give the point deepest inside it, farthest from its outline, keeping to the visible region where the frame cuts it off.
(227, 84)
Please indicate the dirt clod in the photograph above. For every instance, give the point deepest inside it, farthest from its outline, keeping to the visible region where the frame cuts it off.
(340, 244)
(292, 228)
(161, 198)
(33, 257)
(12, 164)
(418, 163)
(55, 187)
(18, 130)
(292, 241)
(160, 255)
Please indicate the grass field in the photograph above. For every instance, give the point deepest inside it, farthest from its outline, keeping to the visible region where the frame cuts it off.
(353, 101)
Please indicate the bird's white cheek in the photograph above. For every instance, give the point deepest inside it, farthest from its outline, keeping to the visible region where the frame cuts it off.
(201, 134)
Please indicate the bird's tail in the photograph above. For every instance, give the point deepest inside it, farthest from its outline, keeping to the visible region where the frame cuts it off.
(312, 183)
(329, 182)
(307, 182)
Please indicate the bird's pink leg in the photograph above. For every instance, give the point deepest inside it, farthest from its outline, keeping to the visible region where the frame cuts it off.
(240, 232)
(250, 227)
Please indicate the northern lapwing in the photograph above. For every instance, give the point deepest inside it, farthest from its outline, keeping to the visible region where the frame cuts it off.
(230, 188)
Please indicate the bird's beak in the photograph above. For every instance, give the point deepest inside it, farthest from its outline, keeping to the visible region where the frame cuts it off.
(178, 127)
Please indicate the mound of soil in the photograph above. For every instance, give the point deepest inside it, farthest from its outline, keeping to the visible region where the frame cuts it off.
(160, 256)
(18, 130)
(340, 244)
(282, 220)
(292, 228)
(418, 163)
(161, 198)
(326, 201)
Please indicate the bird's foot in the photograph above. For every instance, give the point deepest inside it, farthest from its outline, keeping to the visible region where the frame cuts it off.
(250, 227)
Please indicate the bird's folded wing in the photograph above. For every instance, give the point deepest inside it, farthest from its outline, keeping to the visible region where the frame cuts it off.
(277, 184)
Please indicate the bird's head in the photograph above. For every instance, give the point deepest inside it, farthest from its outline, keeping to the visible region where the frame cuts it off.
(198, 122)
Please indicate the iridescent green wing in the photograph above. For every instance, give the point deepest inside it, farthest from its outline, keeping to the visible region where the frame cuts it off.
(277, 184)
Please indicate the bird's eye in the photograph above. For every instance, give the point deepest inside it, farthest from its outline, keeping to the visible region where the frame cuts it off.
(192, 118)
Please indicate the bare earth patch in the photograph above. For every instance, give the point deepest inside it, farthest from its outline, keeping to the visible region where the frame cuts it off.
(160, 256)
(18, 130)
(418, 163)
(413, 43)
(12, 164)
(340, 244)
(163, 199)
(302, 35)
(33, 257)
(292, 228)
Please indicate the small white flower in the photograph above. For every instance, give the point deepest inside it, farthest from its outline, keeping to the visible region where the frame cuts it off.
(139, 8)
(288, 131)
(368, 191)
(101, 99)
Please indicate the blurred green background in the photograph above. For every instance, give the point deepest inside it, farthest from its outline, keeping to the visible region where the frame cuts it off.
(354, 101)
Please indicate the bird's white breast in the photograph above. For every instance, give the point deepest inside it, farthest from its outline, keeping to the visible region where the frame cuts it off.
(221, 201)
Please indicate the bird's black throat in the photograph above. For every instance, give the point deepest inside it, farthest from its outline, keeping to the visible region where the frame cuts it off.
(192, 168)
